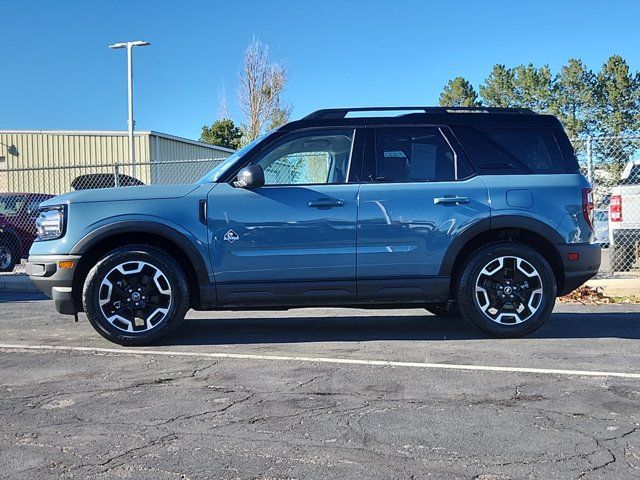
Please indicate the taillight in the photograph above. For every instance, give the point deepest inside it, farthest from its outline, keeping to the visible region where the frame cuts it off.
(615, 208)
(587, 205)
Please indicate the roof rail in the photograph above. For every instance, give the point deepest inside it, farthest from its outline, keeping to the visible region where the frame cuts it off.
(333, 113)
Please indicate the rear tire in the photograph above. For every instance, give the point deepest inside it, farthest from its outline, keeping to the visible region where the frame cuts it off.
(135, 295)
(506, 289)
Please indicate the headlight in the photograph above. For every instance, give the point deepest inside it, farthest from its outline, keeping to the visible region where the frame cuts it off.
(50, 223)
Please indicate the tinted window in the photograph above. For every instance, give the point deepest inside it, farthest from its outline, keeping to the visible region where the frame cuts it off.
(308, 158)
(413, 155)
(511, 150)
(487, 157)
(535, 148)
(569, 154)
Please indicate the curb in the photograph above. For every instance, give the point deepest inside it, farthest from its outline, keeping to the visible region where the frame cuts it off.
(617, 287)
(17, 283)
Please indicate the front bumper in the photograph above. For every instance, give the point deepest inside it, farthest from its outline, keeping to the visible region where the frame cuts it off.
(55, 282)
(577, 272)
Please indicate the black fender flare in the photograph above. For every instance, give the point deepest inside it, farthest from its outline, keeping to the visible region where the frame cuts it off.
(130, 226)
(499, 222)
(458, 243)
(527, 223)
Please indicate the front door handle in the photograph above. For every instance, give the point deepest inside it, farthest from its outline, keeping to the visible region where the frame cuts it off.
(326, 203)
(450, 200)
(202, 211)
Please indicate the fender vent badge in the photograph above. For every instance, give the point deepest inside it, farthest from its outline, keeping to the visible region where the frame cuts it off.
(231, 236)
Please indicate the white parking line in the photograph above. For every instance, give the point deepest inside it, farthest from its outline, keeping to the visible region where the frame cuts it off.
(345, 361)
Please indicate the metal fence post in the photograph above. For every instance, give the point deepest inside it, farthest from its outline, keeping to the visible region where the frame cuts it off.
(116, 175)
(589, 161)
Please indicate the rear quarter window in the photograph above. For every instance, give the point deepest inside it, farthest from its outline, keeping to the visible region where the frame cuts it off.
(504, 151)
(537, 149)
(568, 152)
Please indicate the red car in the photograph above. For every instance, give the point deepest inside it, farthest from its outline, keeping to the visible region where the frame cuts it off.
(18, 213)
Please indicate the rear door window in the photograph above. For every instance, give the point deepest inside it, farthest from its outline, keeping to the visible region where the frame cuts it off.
(413, 154)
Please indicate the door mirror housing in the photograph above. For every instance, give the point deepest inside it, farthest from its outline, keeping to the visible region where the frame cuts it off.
(250, 177)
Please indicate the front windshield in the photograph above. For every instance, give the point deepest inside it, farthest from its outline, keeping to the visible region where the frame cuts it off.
(11, 204)
(214, 174)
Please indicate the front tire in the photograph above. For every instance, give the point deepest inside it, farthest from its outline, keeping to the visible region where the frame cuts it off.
(8, 256)
(135, 295)
(506, 289)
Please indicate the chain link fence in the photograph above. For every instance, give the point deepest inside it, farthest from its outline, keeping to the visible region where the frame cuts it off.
(612, 165)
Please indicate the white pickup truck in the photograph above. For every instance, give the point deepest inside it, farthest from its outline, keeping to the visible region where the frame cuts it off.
(624, 219)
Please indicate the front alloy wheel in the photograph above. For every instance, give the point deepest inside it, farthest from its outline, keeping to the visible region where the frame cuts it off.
(507, 289)
(135, 295)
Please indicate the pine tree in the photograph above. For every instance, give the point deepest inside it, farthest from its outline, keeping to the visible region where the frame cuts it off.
(459, 93)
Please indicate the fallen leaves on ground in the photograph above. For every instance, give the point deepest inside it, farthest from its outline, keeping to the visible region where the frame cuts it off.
(587, 295)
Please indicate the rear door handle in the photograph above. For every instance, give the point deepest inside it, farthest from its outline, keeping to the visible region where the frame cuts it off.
(450, 200)
(326, 203)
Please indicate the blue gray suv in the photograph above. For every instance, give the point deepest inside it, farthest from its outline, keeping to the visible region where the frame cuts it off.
(481, 213)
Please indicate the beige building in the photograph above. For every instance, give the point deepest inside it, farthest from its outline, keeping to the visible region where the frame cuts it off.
(48, 161)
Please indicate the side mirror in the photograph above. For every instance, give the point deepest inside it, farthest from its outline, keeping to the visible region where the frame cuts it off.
(251, 176)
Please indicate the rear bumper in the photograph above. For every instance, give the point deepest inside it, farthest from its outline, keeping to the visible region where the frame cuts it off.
(55, 282)
(577, 272)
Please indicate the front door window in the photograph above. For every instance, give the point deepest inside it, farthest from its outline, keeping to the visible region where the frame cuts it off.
(309, 158)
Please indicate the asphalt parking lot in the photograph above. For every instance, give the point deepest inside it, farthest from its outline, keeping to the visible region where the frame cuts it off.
(321, 393)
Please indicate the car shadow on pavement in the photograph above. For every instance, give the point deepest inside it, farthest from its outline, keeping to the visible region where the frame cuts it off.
(273, 329)
(6, 297)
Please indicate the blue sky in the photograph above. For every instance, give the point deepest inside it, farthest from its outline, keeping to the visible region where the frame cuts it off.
(57, 72)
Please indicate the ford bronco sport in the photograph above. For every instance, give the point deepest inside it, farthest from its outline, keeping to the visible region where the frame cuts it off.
(481, 213)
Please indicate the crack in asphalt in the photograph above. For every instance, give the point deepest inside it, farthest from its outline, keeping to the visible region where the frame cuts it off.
(153, 443)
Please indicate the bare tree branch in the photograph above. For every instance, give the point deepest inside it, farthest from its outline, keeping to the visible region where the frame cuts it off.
(223, 109)
(260, 86)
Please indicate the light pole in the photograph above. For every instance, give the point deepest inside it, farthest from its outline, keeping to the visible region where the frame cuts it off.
(129, 46)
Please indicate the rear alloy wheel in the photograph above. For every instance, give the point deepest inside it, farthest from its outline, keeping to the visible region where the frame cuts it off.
(135, 296)
(507, 289)
(8, 258)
